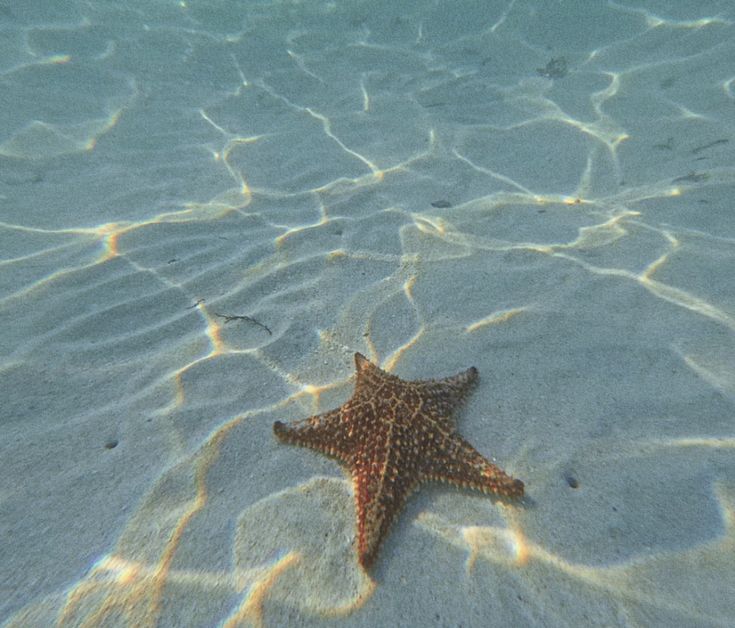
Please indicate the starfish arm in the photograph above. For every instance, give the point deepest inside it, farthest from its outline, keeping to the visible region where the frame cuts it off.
(459, 463)
(377, 501)
(323, 432)
(446, 395)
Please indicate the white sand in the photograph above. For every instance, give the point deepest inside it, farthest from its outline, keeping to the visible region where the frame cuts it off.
(280, 162)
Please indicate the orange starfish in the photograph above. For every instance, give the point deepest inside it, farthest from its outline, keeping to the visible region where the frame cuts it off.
(394, 434)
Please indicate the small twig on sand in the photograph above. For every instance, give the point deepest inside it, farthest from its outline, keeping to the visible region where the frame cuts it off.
(236, 317)
(199, 302)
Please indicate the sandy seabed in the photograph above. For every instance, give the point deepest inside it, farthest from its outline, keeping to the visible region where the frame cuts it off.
(206, 208)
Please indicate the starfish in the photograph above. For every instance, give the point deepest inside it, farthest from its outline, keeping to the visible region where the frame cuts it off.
(392, 435)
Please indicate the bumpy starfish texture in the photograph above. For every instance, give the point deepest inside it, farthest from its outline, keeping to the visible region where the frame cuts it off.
(392, 435)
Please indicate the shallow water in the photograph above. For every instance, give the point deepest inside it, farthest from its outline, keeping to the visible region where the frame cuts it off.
(206, 208)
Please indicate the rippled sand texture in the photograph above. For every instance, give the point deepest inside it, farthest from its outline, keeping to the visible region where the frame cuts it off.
(206, 208)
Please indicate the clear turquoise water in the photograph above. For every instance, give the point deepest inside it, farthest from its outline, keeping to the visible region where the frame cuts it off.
(542, 190)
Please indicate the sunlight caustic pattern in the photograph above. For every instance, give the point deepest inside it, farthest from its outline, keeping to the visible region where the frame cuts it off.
(193, 248)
